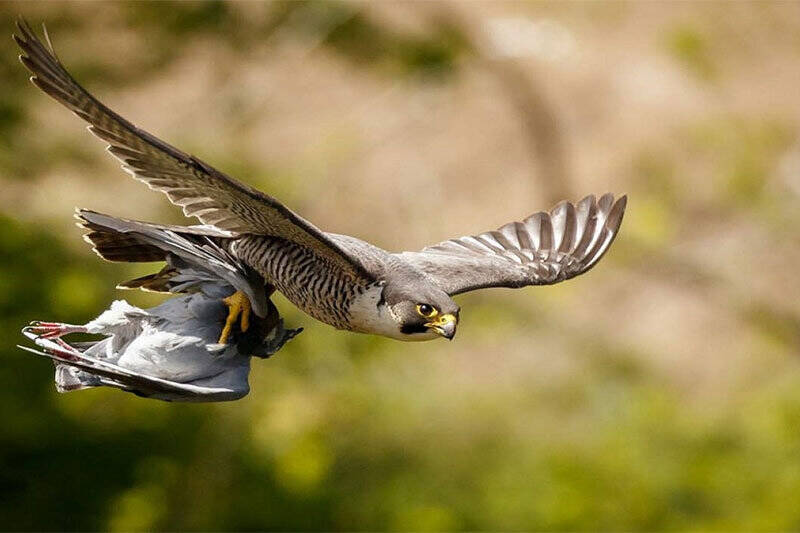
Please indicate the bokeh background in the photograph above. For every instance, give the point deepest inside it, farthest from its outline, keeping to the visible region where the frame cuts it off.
(659, 391)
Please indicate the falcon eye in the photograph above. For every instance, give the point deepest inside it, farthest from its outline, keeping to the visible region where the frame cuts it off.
(428, 311)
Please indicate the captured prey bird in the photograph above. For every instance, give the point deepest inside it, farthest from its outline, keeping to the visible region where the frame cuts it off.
(337, 279)
(168, 352)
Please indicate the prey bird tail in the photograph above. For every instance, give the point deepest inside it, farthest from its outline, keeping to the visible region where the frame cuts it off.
(69, 378)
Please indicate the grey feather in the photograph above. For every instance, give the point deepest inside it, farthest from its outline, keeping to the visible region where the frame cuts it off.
(543, 249)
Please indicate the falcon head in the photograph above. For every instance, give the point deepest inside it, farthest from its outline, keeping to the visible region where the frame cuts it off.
(421, 310)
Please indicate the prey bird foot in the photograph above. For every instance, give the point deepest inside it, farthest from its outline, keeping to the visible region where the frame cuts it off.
(60, 348)
(53, 330)
(238, 304)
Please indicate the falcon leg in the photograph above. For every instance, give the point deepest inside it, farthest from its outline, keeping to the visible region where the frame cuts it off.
(53, 330)
(238, 304)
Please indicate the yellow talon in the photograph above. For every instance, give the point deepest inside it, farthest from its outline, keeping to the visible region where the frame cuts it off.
(237, 304)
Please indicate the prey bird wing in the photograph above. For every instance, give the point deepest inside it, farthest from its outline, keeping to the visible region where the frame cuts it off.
(543, 249)
(201, 190)
(112, 375)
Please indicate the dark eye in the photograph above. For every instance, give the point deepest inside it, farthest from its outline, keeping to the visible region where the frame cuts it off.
(426, 310)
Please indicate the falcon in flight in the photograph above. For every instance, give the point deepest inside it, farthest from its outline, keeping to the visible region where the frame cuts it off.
(337, 279)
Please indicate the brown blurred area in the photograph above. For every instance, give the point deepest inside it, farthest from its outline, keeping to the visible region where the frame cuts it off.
(658, 391)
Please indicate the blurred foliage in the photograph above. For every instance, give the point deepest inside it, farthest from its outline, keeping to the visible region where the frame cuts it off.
(347, 29)
(743, 150)
(504, 429)
(690, 47)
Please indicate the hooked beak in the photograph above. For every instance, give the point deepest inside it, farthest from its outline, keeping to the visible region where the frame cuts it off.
(444, 325)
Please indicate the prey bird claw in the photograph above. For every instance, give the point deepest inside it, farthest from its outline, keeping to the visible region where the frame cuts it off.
(53, 330)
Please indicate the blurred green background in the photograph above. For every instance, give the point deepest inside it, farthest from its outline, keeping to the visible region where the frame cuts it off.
(659, 391)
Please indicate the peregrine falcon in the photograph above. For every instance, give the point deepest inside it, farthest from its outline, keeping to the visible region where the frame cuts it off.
(337, 279)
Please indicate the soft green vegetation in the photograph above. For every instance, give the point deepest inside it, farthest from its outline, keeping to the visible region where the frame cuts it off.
(349, 31)
(690, 48)
(535, 418)
(743, 151)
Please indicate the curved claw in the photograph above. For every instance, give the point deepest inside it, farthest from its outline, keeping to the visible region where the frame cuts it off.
(56, 347)
(52, 330)
(238, 304)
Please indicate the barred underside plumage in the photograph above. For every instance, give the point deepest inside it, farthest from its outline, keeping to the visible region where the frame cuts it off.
(321, 290)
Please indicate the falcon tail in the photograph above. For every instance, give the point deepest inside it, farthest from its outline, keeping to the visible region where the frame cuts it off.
(120, 240)
(193, 254)
(131, 241)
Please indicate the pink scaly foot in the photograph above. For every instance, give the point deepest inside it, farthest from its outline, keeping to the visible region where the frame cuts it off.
(64, 344)
(53, 330)
(60, 348)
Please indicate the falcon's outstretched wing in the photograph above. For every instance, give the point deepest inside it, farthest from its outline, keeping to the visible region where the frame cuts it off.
(199, 189)
(543, 249)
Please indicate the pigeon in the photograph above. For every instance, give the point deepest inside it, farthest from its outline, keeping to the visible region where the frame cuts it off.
(168, 352)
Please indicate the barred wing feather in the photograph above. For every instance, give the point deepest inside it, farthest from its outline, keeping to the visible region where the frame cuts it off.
(201, 190)
(543, 249)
